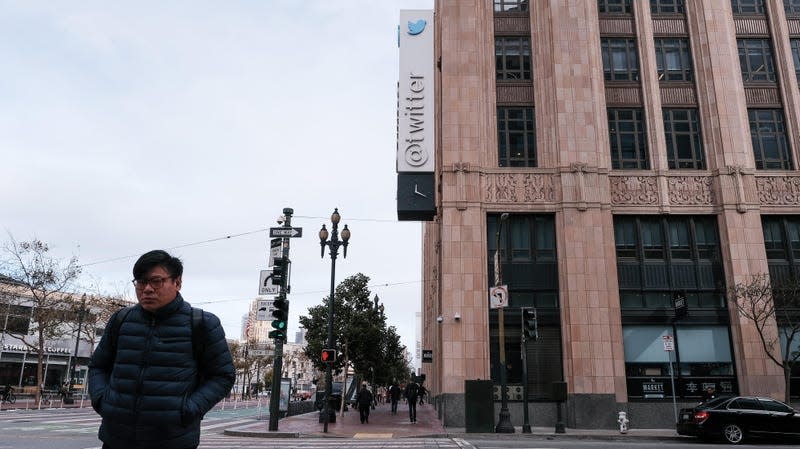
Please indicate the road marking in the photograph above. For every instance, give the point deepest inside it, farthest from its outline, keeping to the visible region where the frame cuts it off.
(463, 444)
(363, 435)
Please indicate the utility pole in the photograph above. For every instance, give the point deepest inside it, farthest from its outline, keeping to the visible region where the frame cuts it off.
(280, 334)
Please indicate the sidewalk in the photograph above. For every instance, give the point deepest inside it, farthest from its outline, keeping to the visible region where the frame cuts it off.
(382, 424)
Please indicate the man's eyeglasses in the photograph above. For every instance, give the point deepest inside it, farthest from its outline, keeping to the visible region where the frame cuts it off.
(155, 282)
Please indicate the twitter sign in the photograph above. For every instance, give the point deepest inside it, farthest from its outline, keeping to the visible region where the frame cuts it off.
(416, 136)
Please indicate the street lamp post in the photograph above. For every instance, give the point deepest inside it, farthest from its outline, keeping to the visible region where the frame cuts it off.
(504, 422)
(77, 341)
(333, 244)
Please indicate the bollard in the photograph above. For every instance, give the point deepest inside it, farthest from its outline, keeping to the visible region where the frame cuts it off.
(622, 419)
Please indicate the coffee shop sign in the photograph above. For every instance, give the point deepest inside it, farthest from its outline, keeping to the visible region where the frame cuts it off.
(21, 348)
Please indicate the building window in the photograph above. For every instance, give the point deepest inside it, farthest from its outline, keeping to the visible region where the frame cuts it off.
(796, 57)
(658, 256)
(530, 269)
(614, 6)
(702, 355)
(512, 58)
(627, 133)
(748, 6)
(673, 60)
(792, 7)
(755, 60)
(684, 145)
(768, 134)
(16, 318)
(516, 137)
(510, 5)
(667, 7)
(620, 60)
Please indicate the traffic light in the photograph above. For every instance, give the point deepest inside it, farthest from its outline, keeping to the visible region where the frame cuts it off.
(328, 355)
(530, 325)
(279, 270)
(280, 311)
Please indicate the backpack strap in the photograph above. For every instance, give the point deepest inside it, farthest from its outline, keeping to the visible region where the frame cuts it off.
(119, 318)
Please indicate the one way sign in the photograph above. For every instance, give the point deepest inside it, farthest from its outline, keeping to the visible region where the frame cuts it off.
(285, 232)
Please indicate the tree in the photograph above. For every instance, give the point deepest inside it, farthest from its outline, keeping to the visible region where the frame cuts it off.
(773, 306)
(359, 326)
(39, 286)
(247, 364)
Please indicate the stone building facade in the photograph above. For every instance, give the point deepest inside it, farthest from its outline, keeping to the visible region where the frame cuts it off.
(644, 150)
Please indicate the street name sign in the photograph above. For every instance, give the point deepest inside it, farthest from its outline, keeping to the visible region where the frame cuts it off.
(285, 232)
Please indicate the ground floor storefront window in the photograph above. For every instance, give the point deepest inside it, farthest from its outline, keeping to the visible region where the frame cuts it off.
(701, 358)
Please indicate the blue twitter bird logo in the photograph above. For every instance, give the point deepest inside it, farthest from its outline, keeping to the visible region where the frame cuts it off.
(417, 27)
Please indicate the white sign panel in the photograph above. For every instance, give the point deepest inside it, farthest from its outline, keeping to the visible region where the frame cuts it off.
(275, 251)
(265, 286)
(498, 297)
(669, 344)
(415, 94)
(264, 310)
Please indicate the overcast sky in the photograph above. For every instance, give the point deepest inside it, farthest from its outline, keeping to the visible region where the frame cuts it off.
(131, 126)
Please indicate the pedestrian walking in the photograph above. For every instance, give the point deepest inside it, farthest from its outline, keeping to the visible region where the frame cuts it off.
(170, 364)
(421, 393)
(411, 395)
(710, 393)
(394, 396)
(364, 401)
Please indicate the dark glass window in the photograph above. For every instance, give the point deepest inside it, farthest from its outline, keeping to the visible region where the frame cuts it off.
(17, 318)
(792, 7)
(796, 57)
(512, 58)
(510, 5)
(755, 60)
(620, 60)
(684, 143)
(614, 6)
(628, 143)
(667, 7)
(782, 239)
(516, 137)
(768, 135)
(673, 59)
(748, 6)
(529, 267)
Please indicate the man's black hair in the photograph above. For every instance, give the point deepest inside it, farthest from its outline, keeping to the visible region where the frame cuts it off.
(157, 258)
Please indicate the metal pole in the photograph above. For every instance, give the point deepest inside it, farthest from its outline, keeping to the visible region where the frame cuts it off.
(504, 423)
(275, 396)
(672, 382)
(77, 340)
(526, 422)
(328, 369)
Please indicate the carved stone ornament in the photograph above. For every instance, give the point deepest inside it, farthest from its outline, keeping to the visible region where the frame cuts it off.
(508, 187)
(634, 190)
(690, 190)
(502, 188)
(778, 190)
(538, 188)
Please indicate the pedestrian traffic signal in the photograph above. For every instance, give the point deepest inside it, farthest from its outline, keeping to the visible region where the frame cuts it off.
(530, 324)
(328, 355)
(280, 311)
(279, 270)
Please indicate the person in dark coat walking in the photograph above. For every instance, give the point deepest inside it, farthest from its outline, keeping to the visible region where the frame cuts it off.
(394, 396)
(161, 387)
(364, 400)
(411, 392)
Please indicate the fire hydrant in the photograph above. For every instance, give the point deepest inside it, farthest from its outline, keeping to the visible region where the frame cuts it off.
(622, 419)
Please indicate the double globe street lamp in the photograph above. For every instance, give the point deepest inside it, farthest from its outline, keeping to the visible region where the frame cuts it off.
(333, 243)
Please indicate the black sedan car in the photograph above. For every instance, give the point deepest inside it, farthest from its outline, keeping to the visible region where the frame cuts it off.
(737, 418)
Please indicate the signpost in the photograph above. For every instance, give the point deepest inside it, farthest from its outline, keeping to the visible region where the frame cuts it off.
(498, 297)
(669, 347)
(275, 251)
(264, 309)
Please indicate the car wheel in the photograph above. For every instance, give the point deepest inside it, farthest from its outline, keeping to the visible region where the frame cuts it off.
(732, 433)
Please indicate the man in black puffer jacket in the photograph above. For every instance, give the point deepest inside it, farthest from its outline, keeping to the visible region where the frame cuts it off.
(144, 380)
